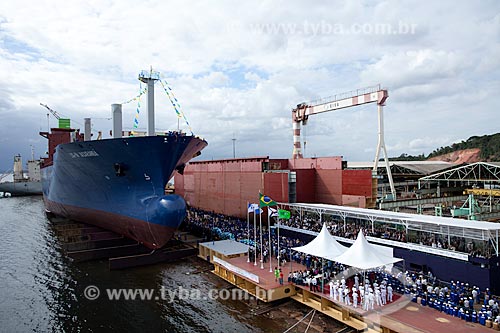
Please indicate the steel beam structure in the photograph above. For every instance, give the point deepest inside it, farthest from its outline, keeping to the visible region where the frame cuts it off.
(374, 94)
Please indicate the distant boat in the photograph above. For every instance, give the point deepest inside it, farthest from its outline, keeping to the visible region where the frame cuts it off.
(23, 184)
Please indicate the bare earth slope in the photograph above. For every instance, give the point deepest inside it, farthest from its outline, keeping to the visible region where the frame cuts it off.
(460, 156)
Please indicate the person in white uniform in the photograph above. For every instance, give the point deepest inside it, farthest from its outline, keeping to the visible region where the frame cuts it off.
(366, 302)
(383, 294)
(389, 293)
(378, 297)
(347, 300)
(354, 297)
(371, 300)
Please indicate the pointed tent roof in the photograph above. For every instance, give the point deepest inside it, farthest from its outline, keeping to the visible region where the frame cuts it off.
(363, 255)
(324, 246)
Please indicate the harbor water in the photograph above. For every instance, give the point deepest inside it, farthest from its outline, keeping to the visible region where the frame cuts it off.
(42, 290)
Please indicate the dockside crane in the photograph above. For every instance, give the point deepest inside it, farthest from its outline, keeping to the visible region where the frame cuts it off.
(375, 94)
(54, 113)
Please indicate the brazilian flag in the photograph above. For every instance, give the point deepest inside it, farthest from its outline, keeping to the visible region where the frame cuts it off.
(265, 201)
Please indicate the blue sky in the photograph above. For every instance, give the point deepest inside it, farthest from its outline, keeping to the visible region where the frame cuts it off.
(239, 69)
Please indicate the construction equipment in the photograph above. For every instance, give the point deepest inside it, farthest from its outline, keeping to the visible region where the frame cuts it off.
(494, 192)
(470, 208)
(301, 113)
(54, 113)
(63, 122)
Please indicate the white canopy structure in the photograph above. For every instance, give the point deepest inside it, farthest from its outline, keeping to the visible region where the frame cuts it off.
(324, 246)
(364, 256)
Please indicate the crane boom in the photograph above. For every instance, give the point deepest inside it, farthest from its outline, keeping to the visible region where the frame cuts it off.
(341, 101)
(379, 97)
(54, 113)
(375, 94)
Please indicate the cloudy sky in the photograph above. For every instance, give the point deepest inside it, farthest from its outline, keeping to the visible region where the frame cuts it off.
(238, 68)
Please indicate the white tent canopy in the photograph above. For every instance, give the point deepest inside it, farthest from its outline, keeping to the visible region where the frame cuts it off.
(324, 246)
(364, 256)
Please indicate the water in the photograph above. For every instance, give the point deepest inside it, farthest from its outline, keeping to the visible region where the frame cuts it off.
(42, 290)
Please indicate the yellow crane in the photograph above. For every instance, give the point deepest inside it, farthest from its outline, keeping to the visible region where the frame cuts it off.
(483, 191)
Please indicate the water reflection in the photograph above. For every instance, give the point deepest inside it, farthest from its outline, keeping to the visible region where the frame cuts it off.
(43, 290)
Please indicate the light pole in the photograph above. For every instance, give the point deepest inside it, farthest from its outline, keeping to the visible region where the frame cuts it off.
(234, 146)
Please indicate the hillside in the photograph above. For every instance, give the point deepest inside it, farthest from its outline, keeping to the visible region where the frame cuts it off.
(460, 156)
(484, 148)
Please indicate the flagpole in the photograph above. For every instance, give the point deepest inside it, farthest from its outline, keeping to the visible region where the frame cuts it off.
(270, 247)
(322, 276)
(248, 230)
(261, 244)
(279, 253)
(255, 238)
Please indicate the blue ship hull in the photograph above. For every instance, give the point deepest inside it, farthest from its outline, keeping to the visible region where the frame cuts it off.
(119, 184)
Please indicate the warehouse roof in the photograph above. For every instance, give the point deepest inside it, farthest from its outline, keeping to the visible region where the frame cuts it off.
(419, 167)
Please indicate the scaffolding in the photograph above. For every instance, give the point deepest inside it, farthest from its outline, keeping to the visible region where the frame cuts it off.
(475, 173)
(482, 182)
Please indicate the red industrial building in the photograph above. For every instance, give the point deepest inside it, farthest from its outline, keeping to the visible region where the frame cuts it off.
(226, 186)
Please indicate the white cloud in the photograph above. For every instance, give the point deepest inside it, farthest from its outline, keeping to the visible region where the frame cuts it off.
(241, 69)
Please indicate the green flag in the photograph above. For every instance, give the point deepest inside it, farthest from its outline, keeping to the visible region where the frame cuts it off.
(283, 214)
(265, 201)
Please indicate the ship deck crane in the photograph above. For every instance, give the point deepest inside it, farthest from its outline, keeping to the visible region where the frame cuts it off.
(301, 113)
(54, 113)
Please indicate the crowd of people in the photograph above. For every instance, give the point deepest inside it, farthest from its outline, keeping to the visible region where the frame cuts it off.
(376, 288)
(457, 298)
(351, 228)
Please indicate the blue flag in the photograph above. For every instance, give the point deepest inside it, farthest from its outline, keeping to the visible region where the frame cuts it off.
(253, 208)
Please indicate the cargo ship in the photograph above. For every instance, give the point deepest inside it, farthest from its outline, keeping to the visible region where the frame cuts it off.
(20, 184)
(119, 183)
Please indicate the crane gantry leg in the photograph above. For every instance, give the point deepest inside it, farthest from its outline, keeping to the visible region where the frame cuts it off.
(297, 150)
(381, 145)
(345, 100)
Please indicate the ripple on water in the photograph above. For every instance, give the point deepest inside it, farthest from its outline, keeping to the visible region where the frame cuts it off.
(42, 290)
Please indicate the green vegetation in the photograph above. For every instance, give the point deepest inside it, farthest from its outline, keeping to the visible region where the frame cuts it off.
(406, 157)
(488, 144)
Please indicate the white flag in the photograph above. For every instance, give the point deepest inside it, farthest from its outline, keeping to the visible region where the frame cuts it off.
(253, 208)
(273, 212)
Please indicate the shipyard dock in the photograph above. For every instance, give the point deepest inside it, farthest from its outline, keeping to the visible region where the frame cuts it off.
(404, 316)
(83, 242)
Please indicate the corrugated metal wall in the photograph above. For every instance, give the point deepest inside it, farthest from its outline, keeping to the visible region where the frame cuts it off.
(357, 182)
(330, 163)
(226, 186)
(305, 185)
(354, 200)
(278, 164)
(276, 186)
(179, 184)
(222, 186)
(328, 185)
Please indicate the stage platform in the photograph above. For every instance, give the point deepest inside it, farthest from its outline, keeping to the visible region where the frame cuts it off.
(223, 249)
(257, 281)
(401, 315)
